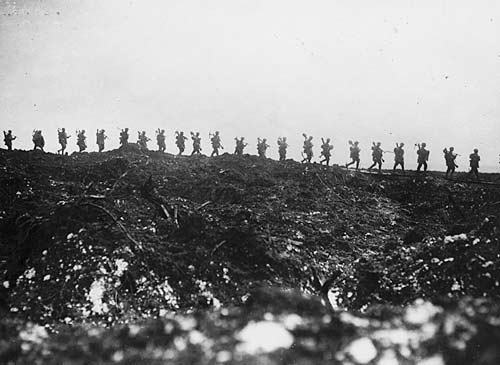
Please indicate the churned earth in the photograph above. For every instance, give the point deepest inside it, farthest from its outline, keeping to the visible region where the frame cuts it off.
(129, 256)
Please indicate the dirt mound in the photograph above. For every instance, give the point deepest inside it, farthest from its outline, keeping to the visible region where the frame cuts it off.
(112, 237)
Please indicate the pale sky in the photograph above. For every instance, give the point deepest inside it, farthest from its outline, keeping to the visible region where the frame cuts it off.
(389, 71)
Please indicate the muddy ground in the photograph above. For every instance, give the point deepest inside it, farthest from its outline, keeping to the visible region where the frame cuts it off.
(128, 256)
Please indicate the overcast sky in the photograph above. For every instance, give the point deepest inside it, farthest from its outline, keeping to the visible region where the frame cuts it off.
(389, 71)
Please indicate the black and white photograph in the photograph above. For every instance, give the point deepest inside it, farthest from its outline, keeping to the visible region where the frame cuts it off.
(250, 182)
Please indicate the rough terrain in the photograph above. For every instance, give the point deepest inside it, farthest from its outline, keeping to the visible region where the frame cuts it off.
(128, 256)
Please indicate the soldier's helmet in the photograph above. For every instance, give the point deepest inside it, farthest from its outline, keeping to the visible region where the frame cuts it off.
(9, 131)
(126, 129)
(217, 132)
(424, 144)
(328, 139)
(476, 150)
(452, 148)
(379, 143)
(63, 129)
(401, 144)
(356, 143)
(163, 131)
(264, 140)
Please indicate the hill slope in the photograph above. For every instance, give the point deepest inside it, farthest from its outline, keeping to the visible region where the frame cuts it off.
(117, 236)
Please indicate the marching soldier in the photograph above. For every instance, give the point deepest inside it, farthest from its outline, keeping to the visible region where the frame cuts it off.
(262, 147)
(422, 156)
(449, 157)
(160, 140)
(216, 144)
(308, 148)
(63, 140)
(474, 163)
(377, 156)
(196, 143)
(240, 146)
(100, 137)
(81, 140)
(180, 141)
(399, 159)
(124, 137)
(142, 140)
(354, 151)
(38, 140)
(282, 146)
(326, 151)
(8, 138)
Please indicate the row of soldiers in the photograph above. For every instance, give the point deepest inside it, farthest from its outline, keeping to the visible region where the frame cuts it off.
(422, 157)
(262, 146)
